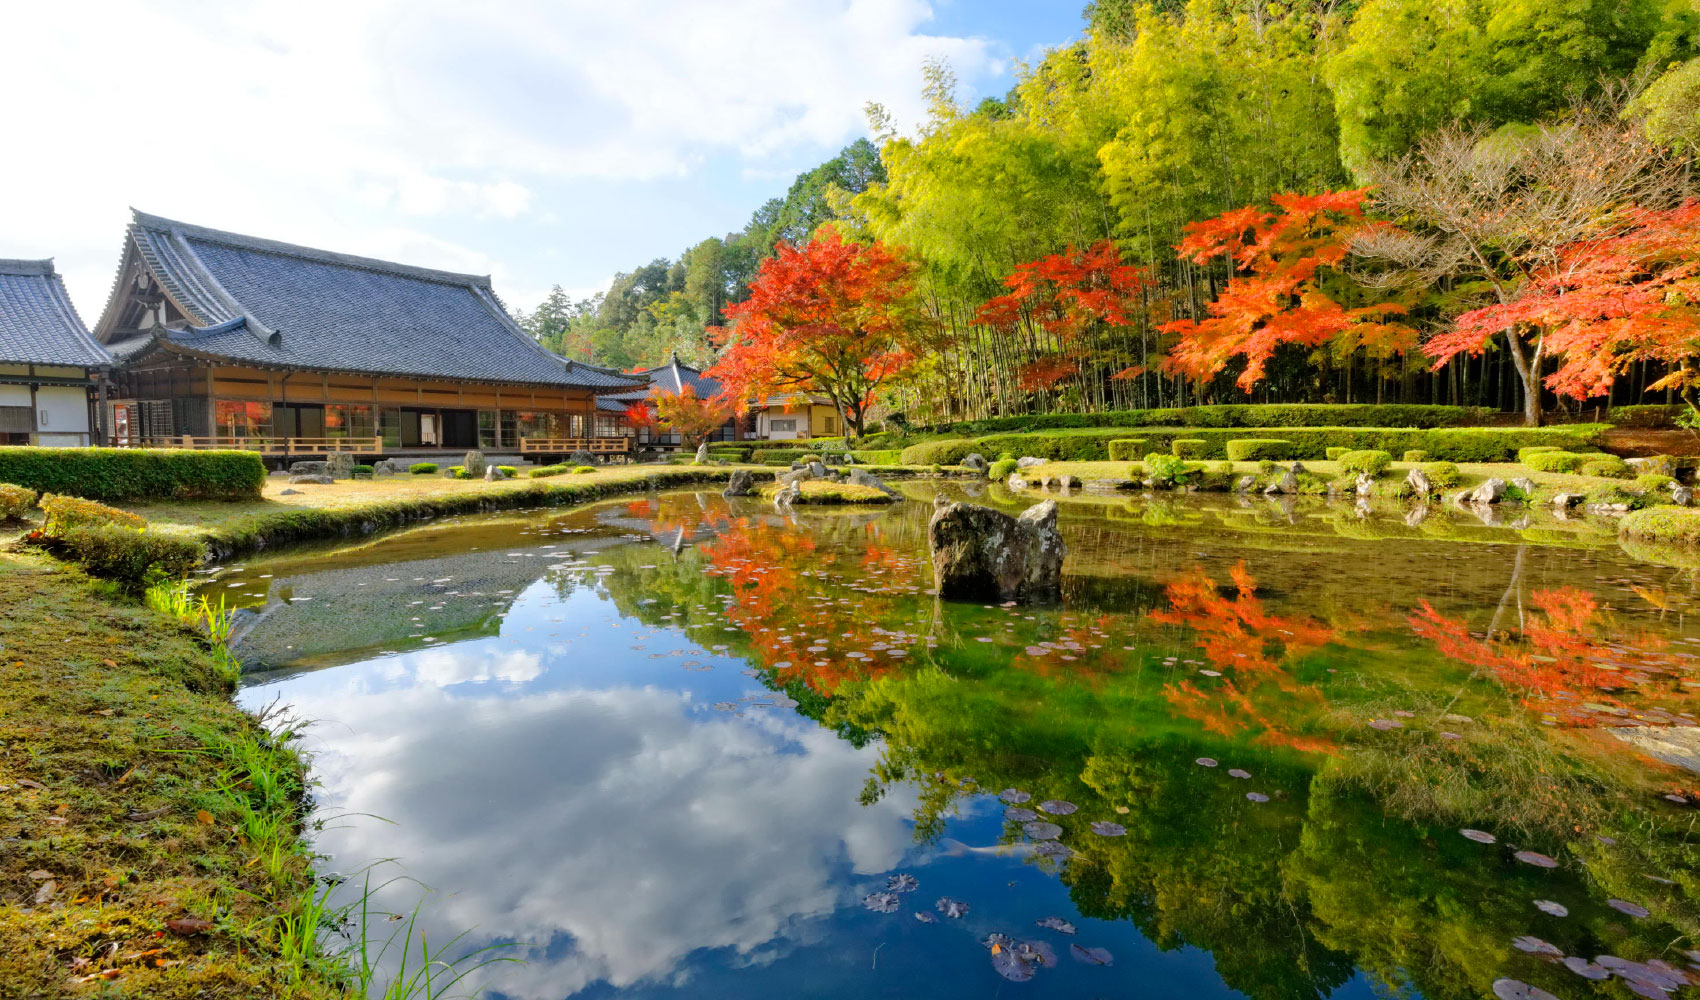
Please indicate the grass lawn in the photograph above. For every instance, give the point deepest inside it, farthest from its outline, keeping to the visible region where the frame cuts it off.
(819, 491)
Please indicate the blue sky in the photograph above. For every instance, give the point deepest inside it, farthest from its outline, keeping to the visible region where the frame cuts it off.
(542, 143)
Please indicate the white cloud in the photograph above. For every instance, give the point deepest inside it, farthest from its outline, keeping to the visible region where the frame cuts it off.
(374, 126)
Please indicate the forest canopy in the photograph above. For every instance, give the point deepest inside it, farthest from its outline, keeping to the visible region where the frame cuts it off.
(1170, 116)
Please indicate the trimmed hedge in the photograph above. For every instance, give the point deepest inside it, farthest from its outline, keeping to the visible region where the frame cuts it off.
(1553, 461)
(1605, 466)
(1258, 449)
(1415, 455)
(1443, 474)
(133, 555)
(135, 475)
(1471, 444)
(423, 468)
(1127, 449)
(1368, 462)
(1333, 454)
(15, 502)
(65, 512)
(784, 456)
(1000, 469)
(1190, 448)
(1239, 415)
(1524, 453)
(887, 456)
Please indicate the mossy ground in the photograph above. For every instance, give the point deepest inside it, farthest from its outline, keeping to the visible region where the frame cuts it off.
(820, 491)
(126, 864)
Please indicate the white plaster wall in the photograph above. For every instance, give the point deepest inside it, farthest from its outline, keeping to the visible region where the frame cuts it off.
(14, 395)
(765, 431)
(61, 410)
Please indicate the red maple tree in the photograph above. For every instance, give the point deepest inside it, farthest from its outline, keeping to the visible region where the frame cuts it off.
(1069, 295)
(831, 317)
(694, 417)
(1628, 295)
(1284, 290)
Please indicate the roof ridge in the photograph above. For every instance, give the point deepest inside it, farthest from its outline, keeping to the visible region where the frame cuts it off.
(189, 230)
(24, 265)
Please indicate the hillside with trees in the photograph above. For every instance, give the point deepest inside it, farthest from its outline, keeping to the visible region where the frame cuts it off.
(1220, 201)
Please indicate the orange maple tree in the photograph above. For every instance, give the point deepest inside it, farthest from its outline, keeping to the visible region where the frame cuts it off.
(832, 317)
(1068, 295)
(1630, 294)
(1284, 290)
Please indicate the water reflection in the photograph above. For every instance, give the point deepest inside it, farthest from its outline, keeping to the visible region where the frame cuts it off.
(684, 738)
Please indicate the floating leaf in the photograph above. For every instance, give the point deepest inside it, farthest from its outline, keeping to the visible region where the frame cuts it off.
(926, 918)
(881, 902)
(901, 883)
(1016, 814)
(1586, 969)
(1257, 796)
(952, 908)
(1014, 796)
(1058, 807)
(1056, 924)
(1512, 989)
(1551, 908)
(204, 818)
(1535, 946)
(1234, 772)
(1054, 849)
(1104, 828)
(1625, 906)
(1479, 836)
(1535, 858)
(1038, 953)
(1386, 724)
(1010, 965)
(1091, 956)
(1206, 761)
(189, 925)
(1040, 830)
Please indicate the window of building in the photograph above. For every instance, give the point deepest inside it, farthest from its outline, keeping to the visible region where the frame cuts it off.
(488, 423)
(389, 427)
(785, 425)
(238, 418)
(609, 425)
(831, 424)
(350, 420)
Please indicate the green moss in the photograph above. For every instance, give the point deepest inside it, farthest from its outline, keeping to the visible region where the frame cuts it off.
(823, 492)
(1369, 462)
(1673, 525)
(1001, 469)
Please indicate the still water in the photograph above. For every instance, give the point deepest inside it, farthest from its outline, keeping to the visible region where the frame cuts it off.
(681, 746)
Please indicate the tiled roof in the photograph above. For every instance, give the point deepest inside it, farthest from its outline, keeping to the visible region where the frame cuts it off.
(670, 377)
(270, 303)
(38, 325)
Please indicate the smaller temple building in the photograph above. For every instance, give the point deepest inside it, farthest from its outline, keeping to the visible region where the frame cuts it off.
(222, 340)
(50, 365)
(672, 378)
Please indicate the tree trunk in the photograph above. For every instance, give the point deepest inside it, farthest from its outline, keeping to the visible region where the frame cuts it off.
(1528, 376)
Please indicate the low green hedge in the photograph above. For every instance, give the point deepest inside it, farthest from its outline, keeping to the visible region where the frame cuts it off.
(1258, 449)
(1000, 469)
(423, 468)
(1369, 462)
(15, 502)
(133, 555)
(882, 456)
(1524, 453)
(1465, 444)
(1190, 448)
(1606, 466)
(1127, 449)
(1443, 474)
(1333, 454)
(1553, 461)
(1239, 415)
(783, 456)
(1415, 455)
(135, 475)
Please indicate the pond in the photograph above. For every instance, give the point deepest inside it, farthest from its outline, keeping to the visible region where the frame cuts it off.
(685, 746)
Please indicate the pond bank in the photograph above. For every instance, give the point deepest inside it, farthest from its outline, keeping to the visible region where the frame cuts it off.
(152, 827)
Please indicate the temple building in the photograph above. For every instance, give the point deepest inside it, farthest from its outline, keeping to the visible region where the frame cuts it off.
(221, 340)
(671, 378)
(49, 364)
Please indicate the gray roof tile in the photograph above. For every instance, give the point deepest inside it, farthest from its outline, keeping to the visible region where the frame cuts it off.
(38, 324)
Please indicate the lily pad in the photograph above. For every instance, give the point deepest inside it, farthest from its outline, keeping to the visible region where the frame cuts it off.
(1104, 828)
(1056, 924)
(926, 918)
(1206, 761)
(1091, 956)
(1039, 953)
(881, 902)
(1586, 969)
(1513, 989)
(1040, 830)
(1010, 965)
(952, 908)
(1058, 807)
(1626, 907)
(1535, 946)
(1054, 849)
(903, 882)
(1535, 858)
(1386, 724)
(1014, 796)
(1551, 908)
(1234, 772)
(1016, 814)
(1479, 836)
(1257, 796)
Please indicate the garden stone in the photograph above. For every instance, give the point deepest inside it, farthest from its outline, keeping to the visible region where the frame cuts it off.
(340, 465)
(1421, 488)
(1366, 486)
(1660, 465)
(1245, 484)
(702, 454)
(984, 554)
(742, 484)
(1488, 492)
(1016, 481)
(581, 457)
(1525, 484)
(289, 493)
(490, 474)
(796, 476)
(787, 496)
(1108, 485)
(1066, 482)
(307, 468)
(818, 470)
(1027, 462)
(833, 458)
(474, 463)
(977, 462)
(316, 480)
(861, 477)
(1564, 501)
(1682, 496)
(1288, 484)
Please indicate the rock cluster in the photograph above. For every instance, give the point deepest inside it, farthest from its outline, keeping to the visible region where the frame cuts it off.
(980, 554)
(742, 484)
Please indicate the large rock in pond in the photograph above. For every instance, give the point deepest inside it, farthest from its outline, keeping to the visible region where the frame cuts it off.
(818, 470)
(1488, 492)
(802, 475)
(976, 461)
(1421, 487)
(788, 495)
(1525, 484)
(742, 484)
(980, 554)
(1028, 461)
(862, 477)
(474, 464)
(1288, 484)
(1682, 496)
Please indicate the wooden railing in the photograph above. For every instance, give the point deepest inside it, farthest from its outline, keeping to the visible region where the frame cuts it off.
(272, 445)
(562, 446)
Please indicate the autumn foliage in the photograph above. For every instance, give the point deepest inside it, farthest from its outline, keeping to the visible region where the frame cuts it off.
(1285, 289)
(1629, 295)
(831, 317)
(1067, 295)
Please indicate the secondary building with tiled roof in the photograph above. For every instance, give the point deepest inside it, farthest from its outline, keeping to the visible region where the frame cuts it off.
(49, 362)
(671, 378)
(226, 340)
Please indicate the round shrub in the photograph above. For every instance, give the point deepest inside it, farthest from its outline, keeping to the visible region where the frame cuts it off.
(1653, 482)
(1335, 453)
(1524, 453)
(1190, 447)
(584, 470)
(15, 502)
(1552, 461)
(1608, 467)
(1001, 469)
(507, 471)
(423, 468)
(1126, 449)
(947, 452)
(1372, 463)
(1443, 474)
(1267, 467)
(1416, 455)
(1255, 449)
